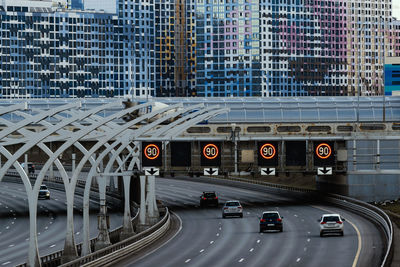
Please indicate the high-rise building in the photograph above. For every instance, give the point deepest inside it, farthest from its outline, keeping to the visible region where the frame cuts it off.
(227, 48)
(395, 37)
(303, 47)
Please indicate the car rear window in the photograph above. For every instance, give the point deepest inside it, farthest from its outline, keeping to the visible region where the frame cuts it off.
(231, 204)
(209, 195)
(43, 187)
(331, 219)
(270, 216)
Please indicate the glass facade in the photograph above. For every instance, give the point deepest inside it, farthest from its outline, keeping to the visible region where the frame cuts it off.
(227, 48)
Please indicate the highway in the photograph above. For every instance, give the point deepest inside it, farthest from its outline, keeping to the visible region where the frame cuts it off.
(206, 239)
(51, 224)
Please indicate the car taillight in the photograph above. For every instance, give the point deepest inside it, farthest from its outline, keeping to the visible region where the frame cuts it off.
(323, 222)
(262, 220)
(240, 207)
(216, 197)
(339, 222)
(204, 198)
(279, 219)
(225, 208)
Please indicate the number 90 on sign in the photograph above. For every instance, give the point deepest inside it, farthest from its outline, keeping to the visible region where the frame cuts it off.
(210, 151)
(267, 151)
(151, 151)
(323, 151)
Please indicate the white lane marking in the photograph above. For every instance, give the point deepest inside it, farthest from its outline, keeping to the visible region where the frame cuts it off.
(358, 236)
(186, 261)
(211, 242)
(201, 250)
(295, 215)
(77, 233)
(217, 234)
(12, 222)
(302, 220)
(38, 233)
(248, 212)
(27, 239)
(46, 228)
(308, 240)
(51, 222)
(7, 262)
(298, 259)
(52, 218)
(52, 246)
(15, 218)
(242, 259)
(10, 246)
(308, 232)
(8, 227)
(258, 241)
(305, 249)
(220, 228)
(56, 199)
(251, 250)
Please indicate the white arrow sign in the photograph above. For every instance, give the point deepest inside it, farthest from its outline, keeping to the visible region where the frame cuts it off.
(151, 171)
(267, 171)
(324, 170)
(211, 171)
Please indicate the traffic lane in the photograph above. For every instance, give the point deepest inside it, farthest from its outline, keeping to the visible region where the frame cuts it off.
(301, 231)
(51, 223)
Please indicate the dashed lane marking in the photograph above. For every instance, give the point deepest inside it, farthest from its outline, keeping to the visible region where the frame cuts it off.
(201, 251)
(7, 262)
(308, 240)
(298, 259)
(251, 250)
(258, 241)
(242, 259)
(52, 246)
(186, 261)
(211, 242)
(217, 234)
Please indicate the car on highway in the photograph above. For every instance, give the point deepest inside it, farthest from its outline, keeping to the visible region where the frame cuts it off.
(208, 199)
(232, 208)
(331, 223)
(31, 167)
(271, 220)
(44, 192)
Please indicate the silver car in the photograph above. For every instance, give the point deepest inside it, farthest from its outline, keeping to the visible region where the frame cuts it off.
(331, 223)
(44, 193)
(232, 208)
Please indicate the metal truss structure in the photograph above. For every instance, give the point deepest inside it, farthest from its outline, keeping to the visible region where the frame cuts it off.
(114, 146)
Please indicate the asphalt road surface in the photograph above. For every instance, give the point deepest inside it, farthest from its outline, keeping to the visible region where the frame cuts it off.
(206, 239)
(51, 223)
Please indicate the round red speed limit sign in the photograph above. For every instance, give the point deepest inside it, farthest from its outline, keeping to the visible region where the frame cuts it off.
(323, 151)
(151, 151)
(267, 151)
(210, 151)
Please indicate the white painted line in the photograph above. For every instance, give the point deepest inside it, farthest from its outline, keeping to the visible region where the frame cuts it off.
(308, 232)
(211, 242)
(52, 246)
(248, 212)
(51, 222)
(56, 199)
(38, 233)
(27, 239)
(186, 261)
(220, 228)
(251, 250)
(8, 227)
(308, 240)
(242, 259)
(15, 218)
(7, 262)
(12, 222)
(46, 228)
(258, 241)
(10, 246)
(201, 251)
(298, 259)
(217, 234)
(78, 233)
(295, 215)
(305, 249)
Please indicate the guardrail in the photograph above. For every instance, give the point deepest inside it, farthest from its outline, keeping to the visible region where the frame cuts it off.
(369, 211)
(122, 249)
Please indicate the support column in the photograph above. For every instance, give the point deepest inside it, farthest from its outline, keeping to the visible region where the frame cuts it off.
(103, 239)
(142, 213)
(127, 229)
(70, 253)
(33, 260)
(26, 164)
(153, 215)
(73, 156)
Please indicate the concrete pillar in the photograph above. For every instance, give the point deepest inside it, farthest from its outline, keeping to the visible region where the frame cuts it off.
(70, 252)
(26, 164)
(103, 239)
(153, 215)
(142, 213)
(73, 156)
(33, 260)
(127, 229)
(51, 173)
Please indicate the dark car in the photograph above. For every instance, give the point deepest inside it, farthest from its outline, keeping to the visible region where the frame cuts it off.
(271, 220)
(31, 167)
(208, 199)
(44, 193)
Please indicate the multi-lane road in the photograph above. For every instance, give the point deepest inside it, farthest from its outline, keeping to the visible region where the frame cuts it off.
(51, 224)
(206, 239)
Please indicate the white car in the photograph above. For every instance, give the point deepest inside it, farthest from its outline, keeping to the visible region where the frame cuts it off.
(331, 223)
(44, 192)
(232, 208)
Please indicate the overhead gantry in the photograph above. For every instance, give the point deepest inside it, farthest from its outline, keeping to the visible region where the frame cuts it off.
(113, 143)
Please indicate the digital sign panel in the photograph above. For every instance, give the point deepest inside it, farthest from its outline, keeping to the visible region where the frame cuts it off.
(268, 154)
(181, 154)
(296, 153)
(324, 154)
(151, 154)
(210, 154)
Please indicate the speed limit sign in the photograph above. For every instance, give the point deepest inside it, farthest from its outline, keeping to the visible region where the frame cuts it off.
(210, 154)
(268, 153)
(324, 154)
(151, 154)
